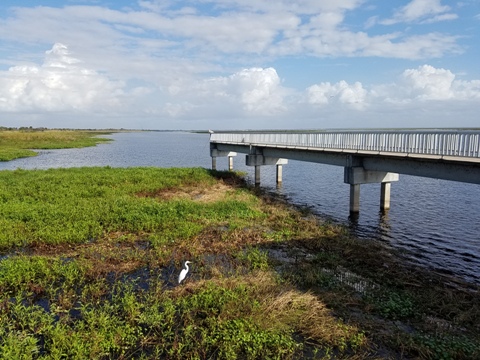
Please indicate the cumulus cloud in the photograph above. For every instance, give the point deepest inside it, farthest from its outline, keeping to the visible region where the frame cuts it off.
(258, 89)
(424, 11)
(60, 84)
(427, 83)
(249, 92)
(65, 83)
(325, 93)
(414, 86)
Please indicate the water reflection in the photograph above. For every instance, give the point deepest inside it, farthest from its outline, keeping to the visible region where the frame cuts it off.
(384, 226)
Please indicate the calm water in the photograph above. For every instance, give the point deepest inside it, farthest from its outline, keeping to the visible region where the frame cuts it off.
(434, 221)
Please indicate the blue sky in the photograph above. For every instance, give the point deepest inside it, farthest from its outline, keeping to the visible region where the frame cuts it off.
(240, 64)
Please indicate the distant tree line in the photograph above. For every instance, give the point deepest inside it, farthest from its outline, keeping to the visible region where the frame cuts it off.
(22, 128)
(33, 129)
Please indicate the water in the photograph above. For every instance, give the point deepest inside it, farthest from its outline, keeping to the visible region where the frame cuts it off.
(435, 222)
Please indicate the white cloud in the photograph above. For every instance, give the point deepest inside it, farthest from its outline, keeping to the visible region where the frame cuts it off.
(60, 84)
(303, 7)
(248, 92)
(424, 11)
(325, 93)
(427, 83)
(246, 27)
(258, 89)
(415, 87)
(65, 83)
(218, 59)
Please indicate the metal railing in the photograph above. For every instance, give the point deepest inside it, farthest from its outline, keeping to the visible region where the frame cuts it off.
(464, 143)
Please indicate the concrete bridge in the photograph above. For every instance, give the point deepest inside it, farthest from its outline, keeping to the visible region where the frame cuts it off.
(368, 156)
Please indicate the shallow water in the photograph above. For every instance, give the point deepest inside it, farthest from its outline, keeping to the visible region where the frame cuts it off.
(435, 222)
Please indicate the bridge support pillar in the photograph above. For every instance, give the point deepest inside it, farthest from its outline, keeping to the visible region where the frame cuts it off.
(354, 198)
(257, 175)
(259, 160)
(356, 175)
(385, 195)
(214, 153)
(279, 173)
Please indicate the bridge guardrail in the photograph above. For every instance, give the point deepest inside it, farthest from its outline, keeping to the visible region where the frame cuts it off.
(442, 143)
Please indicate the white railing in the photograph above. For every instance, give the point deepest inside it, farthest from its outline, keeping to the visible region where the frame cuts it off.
(465, 143)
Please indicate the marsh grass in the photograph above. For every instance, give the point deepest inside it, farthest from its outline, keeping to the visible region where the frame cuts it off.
(90, 258)
(21, 143)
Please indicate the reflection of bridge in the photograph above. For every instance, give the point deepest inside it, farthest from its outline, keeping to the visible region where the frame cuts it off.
(368, 156)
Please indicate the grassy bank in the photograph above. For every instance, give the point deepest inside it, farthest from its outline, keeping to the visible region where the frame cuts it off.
(19, 143)
(90, 258)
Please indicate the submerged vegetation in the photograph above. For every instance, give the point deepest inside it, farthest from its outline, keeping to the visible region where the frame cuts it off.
(90, 258)
(20, 143)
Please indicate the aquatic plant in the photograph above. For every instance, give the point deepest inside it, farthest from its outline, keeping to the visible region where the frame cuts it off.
(19, 143)
(90, 259)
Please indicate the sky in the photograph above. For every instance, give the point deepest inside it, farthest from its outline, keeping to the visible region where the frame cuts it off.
(239, 64)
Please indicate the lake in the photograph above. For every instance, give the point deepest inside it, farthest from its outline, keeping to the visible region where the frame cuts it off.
(434, 222)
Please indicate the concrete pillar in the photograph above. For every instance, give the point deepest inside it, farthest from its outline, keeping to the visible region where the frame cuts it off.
(257, 174)
(385, 196)
(214, 153)
(354, 198)
(356, 175)
(257, 160)
(279, 173)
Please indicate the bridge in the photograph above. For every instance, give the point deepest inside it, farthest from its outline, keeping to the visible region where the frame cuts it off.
(368, 156)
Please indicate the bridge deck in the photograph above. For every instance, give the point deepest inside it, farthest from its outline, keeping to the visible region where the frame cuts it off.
(463, 143)
(444, 154)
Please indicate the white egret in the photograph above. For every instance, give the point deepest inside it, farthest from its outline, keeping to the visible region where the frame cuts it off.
(184, 271)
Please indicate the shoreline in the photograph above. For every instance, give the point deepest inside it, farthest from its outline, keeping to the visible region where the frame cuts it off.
(241, 241)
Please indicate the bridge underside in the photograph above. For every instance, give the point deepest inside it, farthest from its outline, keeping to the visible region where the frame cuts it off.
(438, 167)
(360, 167)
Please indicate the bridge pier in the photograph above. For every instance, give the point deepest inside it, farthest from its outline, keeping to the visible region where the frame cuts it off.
(385, 195)
(258, 160)
(279, 173)
(354, 198)
(257, 174)
(214, 153)
(356, 175)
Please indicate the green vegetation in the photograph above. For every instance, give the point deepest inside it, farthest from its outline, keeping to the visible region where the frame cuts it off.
(90, 258)
(19, 143)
